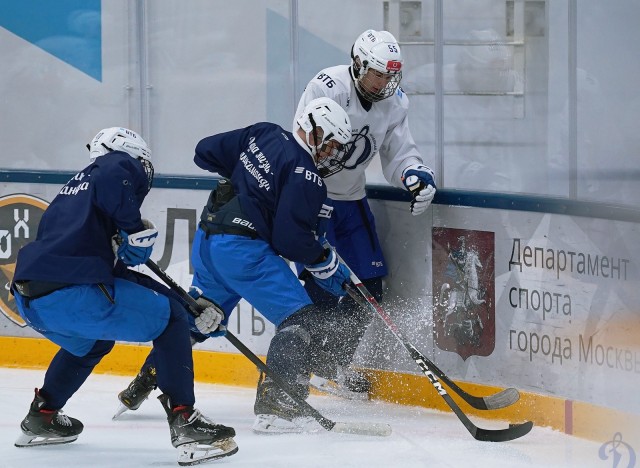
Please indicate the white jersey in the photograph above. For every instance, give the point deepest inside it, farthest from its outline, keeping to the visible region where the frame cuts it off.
(383, 129)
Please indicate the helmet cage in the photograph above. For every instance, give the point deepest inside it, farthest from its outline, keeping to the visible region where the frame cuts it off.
(338, 152)
(327, 130)
(148, 170)
(363, 85)
(334, 163)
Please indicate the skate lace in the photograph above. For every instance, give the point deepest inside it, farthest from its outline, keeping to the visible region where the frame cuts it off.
(63, 419)
(198, 416)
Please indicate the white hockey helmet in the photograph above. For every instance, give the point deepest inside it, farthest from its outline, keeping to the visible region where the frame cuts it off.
(122, 139)
(378, 51)
(328, 124)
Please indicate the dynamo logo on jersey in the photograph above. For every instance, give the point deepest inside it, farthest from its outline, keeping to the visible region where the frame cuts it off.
(20, 215)
(309, 175)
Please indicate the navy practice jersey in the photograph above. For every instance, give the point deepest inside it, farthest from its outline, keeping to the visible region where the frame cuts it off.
(277, 184)
(73, 244)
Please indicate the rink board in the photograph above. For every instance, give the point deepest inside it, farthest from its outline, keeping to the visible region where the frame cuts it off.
(565, 337)
(574, 418)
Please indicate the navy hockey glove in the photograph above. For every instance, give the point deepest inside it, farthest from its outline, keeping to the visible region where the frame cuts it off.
(330, 274)
(135, 249)
(419, 181)
(211, 318)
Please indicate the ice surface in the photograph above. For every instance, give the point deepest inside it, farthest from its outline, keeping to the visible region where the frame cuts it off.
(421, 437)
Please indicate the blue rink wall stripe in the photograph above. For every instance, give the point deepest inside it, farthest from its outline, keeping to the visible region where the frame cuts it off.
(452, 197)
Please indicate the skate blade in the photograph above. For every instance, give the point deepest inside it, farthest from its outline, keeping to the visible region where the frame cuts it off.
(121, 410)
(272, 424)
(195, 453)
(327, 386)
(31, 440)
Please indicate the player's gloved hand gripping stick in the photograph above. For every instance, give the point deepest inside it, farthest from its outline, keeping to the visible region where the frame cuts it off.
(361, 428)
(330, 274)
(134, 249)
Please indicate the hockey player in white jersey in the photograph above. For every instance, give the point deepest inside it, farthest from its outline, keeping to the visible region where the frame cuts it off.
(368, 89)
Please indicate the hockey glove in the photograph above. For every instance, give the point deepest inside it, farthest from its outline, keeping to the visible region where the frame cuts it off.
(148, 224)
(211, 318)
(330, 274)
(419, 181)
(135, 249)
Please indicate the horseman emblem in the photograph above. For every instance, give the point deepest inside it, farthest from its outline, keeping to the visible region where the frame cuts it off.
(463, 291)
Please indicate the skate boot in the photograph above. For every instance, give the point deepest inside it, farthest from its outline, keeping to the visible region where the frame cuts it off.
(348, 383)
(277, 413)
(197, 438)
(47, 427)
(138, 390)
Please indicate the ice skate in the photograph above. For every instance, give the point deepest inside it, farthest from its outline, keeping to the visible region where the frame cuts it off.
(349, 383)
(47, 427)
(197, 438)
(277, 413)
(138, 390)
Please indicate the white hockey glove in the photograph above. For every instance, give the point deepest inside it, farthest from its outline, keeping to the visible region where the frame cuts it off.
(419, 181)
(135, 249)
(211, 315)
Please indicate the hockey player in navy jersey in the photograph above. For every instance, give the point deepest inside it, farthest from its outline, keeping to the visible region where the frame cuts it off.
(368, 89)
(72, 284)
(271, 212)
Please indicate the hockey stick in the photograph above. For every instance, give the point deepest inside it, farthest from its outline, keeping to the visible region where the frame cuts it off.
(514, 431)
(359, 428)
(502, 399)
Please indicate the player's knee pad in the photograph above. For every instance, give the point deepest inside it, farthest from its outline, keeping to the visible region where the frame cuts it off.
(293, 335)
(300, 322)
(293, 332)
(289, 348)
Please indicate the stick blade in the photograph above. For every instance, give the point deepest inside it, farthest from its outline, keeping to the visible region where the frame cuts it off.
(363, 428)
(502, 399)
(514, 431)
